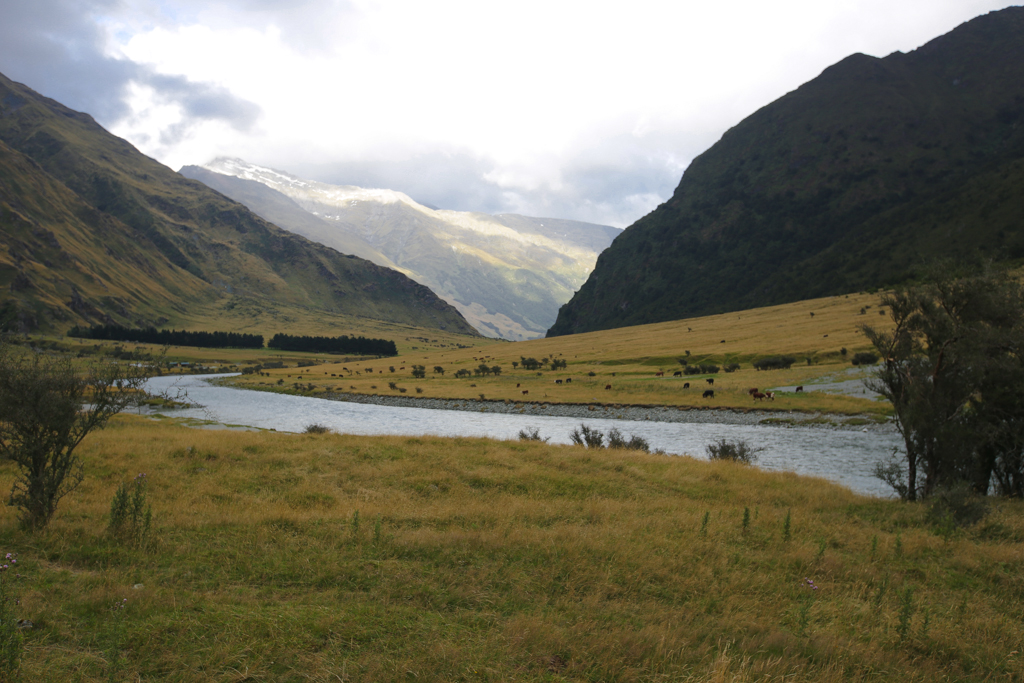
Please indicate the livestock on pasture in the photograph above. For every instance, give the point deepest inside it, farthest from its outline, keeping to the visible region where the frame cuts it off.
(800, 388)
(710, 380)
(607, 386)
(758, 396)
(709, 393)
(686, 385)
(558, 381)
(659, 374)
(568, 380)
(677, 373)
(525, 392)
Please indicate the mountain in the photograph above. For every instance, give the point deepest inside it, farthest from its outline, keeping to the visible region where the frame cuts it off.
(507, 274)
(855, 180)
(93, 231)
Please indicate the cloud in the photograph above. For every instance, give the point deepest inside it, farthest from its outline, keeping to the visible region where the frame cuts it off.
(60, 49)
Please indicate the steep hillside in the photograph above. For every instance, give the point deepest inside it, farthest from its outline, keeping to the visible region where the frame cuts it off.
(506, 274)
(95, 231)
(854, 180)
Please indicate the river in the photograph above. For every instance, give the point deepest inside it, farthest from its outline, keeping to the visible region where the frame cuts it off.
(844, 456)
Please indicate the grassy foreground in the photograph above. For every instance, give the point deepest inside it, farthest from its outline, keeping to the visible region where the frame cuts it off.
(475, 559)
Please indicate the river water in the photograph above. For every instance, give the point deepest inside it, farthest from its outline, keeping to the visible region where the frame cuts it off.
(844, 456)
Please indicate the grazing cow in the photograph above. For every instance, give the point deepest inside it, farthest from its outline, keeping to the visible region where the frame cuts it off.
(770, 395)
(677, 373)
(800, 388)
(525, 392)
(758, 396)
(710, 380)
(517, 385)
(686, 385)
(659, 374)
(607, 386)
(753, 391)
(558, 381)
(710, 393)
(568, 380)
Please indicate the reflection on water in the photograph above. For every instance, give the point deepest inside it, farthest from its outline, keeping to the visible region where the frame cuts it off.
(847, 457)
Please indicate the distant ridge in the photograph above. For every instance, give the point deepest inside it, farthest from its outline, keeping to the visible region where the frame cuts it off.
(852, 181)
(94, 232)
(507, 274)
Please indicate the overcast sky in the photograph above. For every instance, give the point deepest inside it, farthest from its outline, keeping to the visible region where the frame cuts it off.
(583, 110)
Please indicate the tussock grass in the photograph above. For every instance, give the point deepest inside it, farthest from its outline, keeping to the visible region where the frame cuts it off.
(474, 559)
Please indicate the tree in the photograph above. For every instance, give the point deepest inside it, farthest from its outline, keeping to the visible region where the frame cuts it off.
(47, 407)
(953, 369)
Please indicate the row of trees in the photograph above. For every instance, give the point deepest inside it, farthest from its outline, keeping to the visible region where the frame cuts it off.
(150, 335)
(344, 344)
(953, 368)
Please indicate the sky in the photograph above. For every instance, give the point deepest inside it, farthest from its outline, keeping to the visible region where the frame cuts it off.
(581, 110)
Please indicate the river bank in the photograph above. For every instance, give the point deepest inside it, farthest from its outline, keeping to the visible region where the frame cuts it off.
(629, 412)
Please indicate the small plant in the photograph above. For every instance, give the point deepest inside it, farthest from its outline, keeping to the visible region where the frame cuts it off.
(746, 519)
(355, 522)
(419, 390)
(376, 531)
(704, 524)
(786, 527)
(898, 547)
(634, 443)
(954, 507)
(11, 644)
(736, 451)
(822, 545)
(531, 434)
(874, 546)
(392, 386)
(906, 613)
(115, 660)
(864, 358)
(591, 374)
(131, 515)
(316, 428)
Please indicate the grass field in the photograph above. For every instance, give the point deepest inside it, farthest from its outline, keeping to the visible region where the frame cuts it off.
(627, 359)
(279, 557)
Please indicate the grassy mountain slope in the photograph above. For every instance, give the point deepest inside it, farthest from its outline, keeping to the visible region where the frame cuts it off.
(507, 274)
(852, 181)
(207, 255)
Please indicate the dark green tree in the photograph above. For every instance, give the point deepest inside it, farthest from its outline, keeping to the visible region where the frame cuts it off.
(953, 369)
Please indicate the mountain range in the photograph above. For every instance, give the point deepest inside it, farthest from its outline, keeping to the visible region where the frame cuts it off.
(507, 274)
(858, 179)
(92, 231)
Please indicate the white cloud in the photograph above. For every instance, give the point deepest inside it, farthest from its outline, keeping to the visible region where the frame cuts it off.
(588, 109)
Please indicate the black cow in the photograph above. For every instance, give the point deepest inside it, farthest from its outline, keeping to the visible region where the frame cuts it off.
(677, 373)
(710, 393)
(710, 380)
(686, 385)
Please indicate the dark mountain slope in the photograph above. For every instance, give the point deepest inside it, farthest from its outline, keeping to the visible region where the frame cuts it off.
(852, 181)
(199, 244)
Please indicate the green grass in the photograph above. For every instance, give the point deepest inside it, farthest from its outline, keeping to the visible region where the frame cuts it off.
(501, 561)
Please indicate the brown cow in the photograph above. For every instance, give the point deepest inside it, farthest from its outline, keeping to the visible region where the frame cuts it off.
(800, 388)
(607, 386)
(753, 391)
(758, 396)
(525, 392)
(770, 395)
(659, 374)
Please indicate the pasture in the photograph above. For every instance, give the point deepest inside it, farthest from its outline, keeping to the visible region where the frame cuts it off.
(629, 360)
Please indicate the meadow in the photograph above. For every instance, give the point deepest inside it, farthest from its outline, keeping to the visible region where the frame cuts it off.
(301, 557)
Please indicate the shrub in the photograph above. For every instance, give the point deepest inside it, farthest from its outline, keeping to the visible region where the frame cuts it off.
(736, 451)
(702, 369)
(131, 515)
(634, 443)
(585, 436)
(956, 506)
(11, 644)
(439, 369)
(864, 358)
(420, 371)
(529, 363)
(732, 367)
(531, 434)
(463, 373)
(774, 363)
(392, 386)
(317, 428)
(558, 363)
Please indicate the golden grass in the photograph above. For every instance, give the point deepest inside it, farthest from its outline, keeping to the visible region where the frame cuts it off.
(629, 358)
(501, 561)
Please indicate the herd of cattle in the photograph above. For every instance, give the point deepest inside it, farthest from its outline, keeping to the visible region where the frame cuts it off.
(756, 393)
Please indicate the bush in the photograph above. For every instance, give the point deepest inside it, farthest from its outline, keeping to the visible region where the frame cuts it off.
(558, 363)
(463, 373)
(774, 363)
(635, 443)
(317, 428)
(956, 506)
(11, 643)
(736, 451)
(419, 371)
(131, 515)
(531, 434)
(703, 369)
(864, 358)
(732, 367)
(585, 436)
(529, 363)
